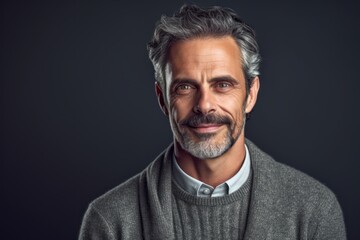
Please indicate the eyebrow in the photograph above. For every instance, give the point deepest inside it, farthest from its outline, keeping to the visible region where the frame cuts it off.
(183, 80)
(226, 78)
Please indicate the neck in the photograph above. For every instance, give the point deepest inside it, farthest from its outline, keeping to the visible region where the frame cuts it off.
(212, 171)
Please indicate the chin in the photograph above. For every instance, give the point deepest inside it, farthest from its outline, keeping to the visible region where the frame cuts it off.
(208, 148)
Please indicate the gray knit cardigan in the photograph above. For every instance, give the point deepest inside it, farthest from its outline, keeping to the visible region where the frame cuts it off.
(285, 204)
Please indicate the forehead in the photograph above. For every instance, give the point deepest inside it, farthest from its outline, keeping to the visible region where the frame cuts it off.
(201, 55)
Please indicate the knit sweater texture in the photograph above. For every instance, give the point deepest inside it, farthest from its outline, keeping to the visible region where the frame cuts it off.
(283, 204)
(210, 217)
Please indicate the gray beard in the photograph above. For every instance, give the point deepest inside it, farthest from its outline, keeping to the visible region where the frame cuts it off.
(205, 148)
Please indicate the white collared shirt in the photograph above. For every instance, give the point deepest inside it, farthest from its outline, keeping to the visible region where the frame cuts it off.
(200, 189)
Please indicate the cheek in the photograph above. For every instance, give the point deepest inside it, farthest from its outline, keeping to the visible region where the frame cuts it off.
(233, 104)
(174, 115)
(180, 108)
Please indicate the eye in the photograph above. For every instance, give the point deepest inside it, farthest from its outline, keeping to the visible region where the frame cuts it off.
(223, 86)
(184, 89)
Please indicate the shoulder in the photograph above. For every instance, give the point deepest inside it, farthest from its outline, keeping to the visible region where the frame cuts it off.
(290, 186)
(113, 214)
(118, 213)
(125, 194)
(122, 203)
(300, 186)
(293, 198)
(117, 209)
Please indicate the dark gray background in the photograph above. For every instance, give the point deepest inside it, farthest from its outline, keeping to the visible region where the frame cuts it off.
(79, 114)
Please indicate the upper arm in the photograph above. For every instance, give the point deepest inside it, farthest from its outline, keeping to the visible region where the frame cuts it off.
(330, 223)
(94, 226)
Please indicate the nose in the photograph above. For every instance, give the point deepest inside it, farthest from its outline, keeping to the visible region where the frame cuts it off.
(204, 103)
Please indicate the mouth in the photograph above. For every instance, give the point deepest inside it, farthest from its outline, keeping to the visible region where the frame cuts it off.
(206, 128)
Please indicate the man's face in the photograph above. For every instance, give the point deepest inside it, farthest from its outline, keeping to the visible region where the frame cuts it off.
(206, 95)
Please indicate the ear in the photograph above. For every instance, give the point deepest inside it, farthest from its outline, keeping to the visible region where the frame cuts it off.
(160, 97)
(253, 92)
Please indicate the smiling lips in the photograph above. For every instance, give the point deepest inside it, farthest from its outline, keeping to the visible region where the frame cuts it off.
(206, 128)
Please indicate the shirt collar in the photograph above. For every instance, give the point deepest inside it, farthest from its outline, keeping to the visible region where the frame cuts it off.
(201, 189)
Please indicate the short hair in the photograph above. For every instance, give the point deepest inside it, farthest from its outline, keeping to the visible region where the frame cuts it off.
(194, 22)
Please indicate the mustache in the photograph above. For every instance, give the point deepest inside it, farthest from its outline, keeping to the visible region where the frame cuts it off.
(196, 120)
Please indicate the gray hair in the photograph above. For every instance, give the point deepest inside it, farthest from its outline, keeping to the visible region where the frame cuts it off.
(194, 22)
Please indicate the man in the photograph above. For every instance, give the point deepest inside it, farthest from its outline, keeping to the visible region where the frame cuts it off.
(211, 183)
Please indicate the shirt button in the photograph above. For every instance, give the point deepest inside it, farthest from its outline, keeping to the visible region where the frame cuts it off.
(206, 191)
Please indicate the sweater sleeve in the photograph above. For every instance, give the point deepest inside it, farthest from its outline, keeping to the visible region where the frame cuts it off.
(94, 226)
(331, 224)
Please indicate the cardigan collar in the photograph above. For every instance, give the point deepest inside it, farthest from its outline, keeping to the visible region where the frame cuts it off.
(156, 210)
